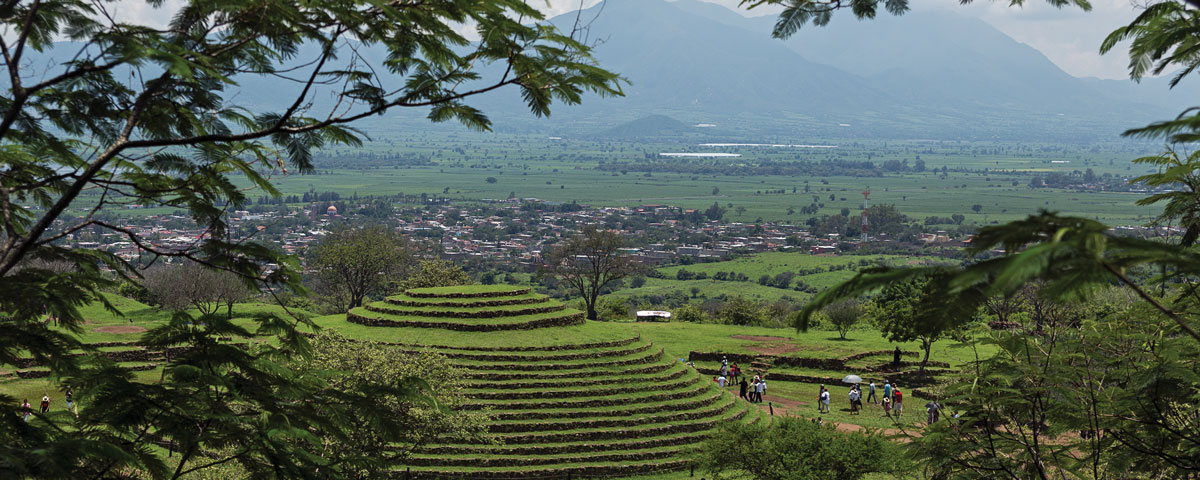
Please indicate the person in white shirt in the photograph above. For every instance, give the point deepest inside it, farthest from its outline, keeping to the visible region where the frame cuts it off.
(721, 381)
(823, 407)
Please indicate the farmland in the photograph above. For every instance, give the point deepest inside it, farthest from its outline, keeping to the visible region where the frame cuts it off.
(456, 165)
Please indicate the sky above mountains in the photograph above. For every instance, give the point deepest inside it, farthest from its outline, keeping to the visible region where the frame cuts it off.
(1069, 37)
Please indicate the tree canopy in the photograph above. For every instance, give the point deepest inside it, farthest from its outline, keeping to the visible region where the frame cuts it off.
(155, 116)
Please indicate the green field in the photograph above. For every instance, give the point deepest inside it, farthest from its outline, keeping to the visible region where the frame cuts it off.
(835, 269)
(566, 170)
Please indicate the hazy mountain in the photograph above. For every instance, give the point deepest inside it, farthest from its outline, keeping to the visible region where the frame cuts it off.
(648, 127)
(923, 74)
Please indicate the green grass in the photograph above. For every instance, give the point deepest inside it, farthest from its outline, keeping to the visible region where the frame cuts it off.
(590, 332)
(467, 290)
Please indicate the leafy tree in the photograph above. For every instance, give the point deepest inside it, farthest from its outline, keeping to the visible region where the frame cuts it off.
(435, 273)
(958, 218)
(688, 313)
(352, 264)
(795, 449)
(907, 311)
(976, 208)
(491, 180)
(149, 115)
(843, 315)
(637, 282)
(589, 262)
(740, 311)
(715, 212)
(179, 287)
(1181, 202)
(1137, 362)
(391, 377)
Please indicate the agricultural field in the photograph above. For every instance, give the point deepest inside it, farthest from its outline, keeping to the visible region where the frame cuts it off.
(457, 165)
(819, 272)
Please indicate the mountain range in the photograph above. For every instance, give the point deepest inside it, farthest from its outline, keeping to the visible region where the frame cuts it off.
(923, 75)
(920, 75)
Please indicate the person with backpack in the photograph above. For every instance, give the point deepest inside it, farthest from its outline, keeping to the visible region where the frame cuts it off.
(854, 397)
(823, 400)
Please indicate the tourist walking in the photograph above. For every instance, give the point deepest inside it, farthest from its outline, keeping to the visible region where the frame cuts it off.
(68, 395)
(871, 395)
(898, 401)
(758, 391)
(26, 409)
(932, 408)
(823, 400)
(896, 358)
(742, 387)
(721, 381)
(45, 403)
(887, 406)
(735, 371)
(855, 395)
(887, 390)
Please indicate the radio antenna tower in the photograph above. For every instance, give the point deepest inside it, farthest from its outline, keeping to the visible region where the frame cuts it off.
(866, 224)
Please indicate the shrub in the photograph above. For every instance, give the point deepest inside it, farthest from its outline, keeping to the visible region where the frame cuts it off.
(796, 449)
(688, 313)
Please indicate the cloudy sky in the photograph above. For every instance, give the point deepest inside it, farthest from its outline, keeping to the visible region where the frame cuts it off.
(1069, 37)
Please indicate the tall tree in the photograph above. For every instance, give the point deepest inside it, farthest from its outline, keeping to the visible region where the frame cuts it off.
(354, 263)
(843, 315)
(130, 113)
(589, 262)
(906, 312)
(191, 285)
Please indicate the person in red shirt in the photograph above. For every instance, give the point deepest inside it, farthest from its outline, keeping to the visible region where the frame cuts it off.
(898, 401)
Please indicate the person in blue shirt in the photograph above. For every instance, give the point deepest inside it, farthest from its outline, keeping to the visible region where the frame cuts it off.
(887, 390)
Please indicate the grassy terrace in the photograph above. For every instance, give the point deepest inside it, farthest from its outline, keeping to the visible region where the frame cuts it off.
(581, 398)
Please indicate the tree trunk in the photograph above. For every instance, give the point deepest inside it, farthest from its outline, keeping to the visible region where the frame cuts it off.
(591, 306)
(927, 346)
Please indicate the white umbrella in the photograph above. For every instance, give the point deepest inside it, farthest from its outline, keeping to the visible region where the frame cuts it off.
(852, 379)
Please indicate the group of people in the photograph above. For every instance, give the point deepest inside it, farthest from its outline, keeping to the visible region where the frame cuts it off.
(27, 409)
(749, 389)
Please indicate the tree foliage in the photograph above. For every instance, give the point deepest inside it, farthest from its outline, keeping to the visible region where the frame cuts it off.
(133, 114)
(589, 262)
(795, 449)
(843, 315)
(352, 264)
(190, 285)
(435, 273)
(798, 13)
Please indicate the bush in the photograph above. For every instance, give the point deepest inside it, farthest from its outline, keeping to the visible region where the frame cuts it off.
(740, 311)
(637, 282)
(688, 313)
(796, 449)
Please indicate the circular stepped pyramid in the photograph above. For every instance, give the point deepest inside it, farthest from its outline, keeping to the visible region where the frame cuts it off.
(611, 408)
(475, 308)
